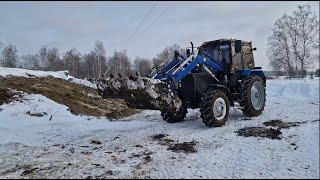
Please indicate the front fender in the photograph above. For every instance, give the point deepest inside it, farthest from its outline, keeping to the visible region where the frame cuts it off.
(225, 89)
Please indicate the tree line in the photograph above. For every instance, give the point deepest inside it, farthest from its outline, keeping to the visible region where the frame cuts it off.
(293, 46)
(94, 64)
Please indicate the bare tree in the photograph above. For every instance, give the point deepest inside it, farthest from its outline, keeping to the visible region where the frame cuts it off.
(303, 28)
(89, 64)
(43, 63)
(280, 54)
(1, 45)
(119, 63)
(141, 65)
(100, 54)
(167, 54)
(31, 61)
(53, 59)
(294, 41)
(9, 56)
(71, 61)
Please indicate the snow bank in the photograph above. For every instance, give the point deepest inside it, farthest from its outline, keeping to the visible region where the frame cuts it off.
(304, 89)
(4, 71)
(17, 125)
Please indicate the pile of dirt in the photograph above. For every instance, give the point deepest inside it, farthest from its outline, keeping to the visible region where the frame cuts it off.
(162, 139)
(268, 132)
(159, 136)
(260, 132)
(278, 123)
(6, 95)
(80, 99)
(185, 147)
(95, 142)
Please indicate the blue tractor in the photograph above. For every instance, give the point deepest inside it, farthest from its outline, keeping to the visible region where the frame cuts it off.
(220, 74)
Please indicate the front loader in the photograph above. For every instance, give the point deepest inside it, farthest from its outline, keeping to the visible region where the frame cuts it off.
(219, 75)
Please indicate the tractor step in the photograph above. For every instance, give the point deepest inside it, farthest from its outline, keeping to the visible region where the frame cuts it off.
(139, 92)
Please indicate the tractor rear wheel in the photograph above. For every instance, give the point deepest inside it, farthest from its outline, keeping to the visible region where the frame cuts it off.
(173, 117)
(214, 108)
(253, 96)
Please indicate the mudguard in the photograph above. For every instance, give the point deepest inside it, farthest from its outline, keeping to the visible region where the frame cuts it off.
(256, 71)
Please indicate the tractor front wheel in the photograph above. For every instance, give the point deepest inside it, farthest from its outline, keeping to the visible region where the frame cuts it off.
(214, 108)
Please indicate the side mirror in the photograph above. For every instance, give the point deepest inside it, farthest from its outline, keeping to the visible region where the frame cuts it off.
(253, 49)
(238, 46)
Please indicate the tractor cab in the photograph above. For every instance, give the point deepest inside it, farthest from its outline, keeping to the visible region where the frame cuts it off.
(233, 54)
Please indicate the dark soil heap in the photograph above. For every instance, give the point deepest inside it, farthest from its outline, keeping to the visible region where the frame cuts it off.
(6, 95)
(80, 99)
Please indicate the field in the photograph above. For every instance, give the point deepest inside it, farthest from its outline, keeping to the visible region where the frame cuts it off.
(41, 136)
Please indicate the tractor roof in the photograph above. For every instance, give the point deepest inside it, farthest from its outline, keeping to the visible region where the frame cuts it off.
(218, 41)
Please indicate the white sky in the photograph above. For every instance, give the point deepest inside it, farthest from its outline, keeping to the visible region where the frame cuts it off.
(65, 25)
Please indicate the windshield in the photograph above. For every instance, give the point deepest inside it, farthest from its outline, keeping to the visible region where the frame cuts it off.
(219, 53)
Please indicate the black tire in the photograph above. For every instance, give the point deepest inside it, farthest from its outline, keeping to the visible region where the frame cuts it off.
(245, 96)
(206, 108)
(173, 117)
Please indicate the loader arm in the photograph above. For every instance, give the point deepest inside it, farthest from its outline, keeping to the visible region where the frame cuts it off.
(204, 59)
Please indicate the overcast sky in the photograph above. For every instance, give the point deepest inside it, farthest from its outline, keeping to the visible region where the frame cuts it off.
(65, 25)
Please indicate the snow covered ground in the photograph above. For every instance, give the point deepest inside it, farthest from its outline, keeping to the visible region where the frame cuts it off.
(4, 71)
(62, 145)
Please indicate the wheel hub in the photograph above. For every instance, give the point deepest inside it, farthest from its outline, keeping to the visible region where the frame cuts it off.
(257, 95)
(219, 108)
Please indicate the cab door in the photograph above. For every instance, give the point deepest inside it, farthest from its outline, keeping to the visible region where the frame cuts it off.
(247, 55)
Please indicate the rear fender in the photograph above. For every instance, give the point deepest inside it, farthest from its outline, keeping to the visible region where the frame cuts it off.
(257, 72)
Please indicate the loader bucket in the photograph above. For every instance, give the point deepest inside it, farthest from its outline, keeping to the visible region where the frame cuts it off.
(140, 92)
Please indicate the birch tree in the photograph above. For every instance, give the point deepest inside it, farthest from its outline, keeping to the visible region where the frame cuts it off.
(294, 43)
(142, 65)
(167, 54)
(100, 54)
(9, 56)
